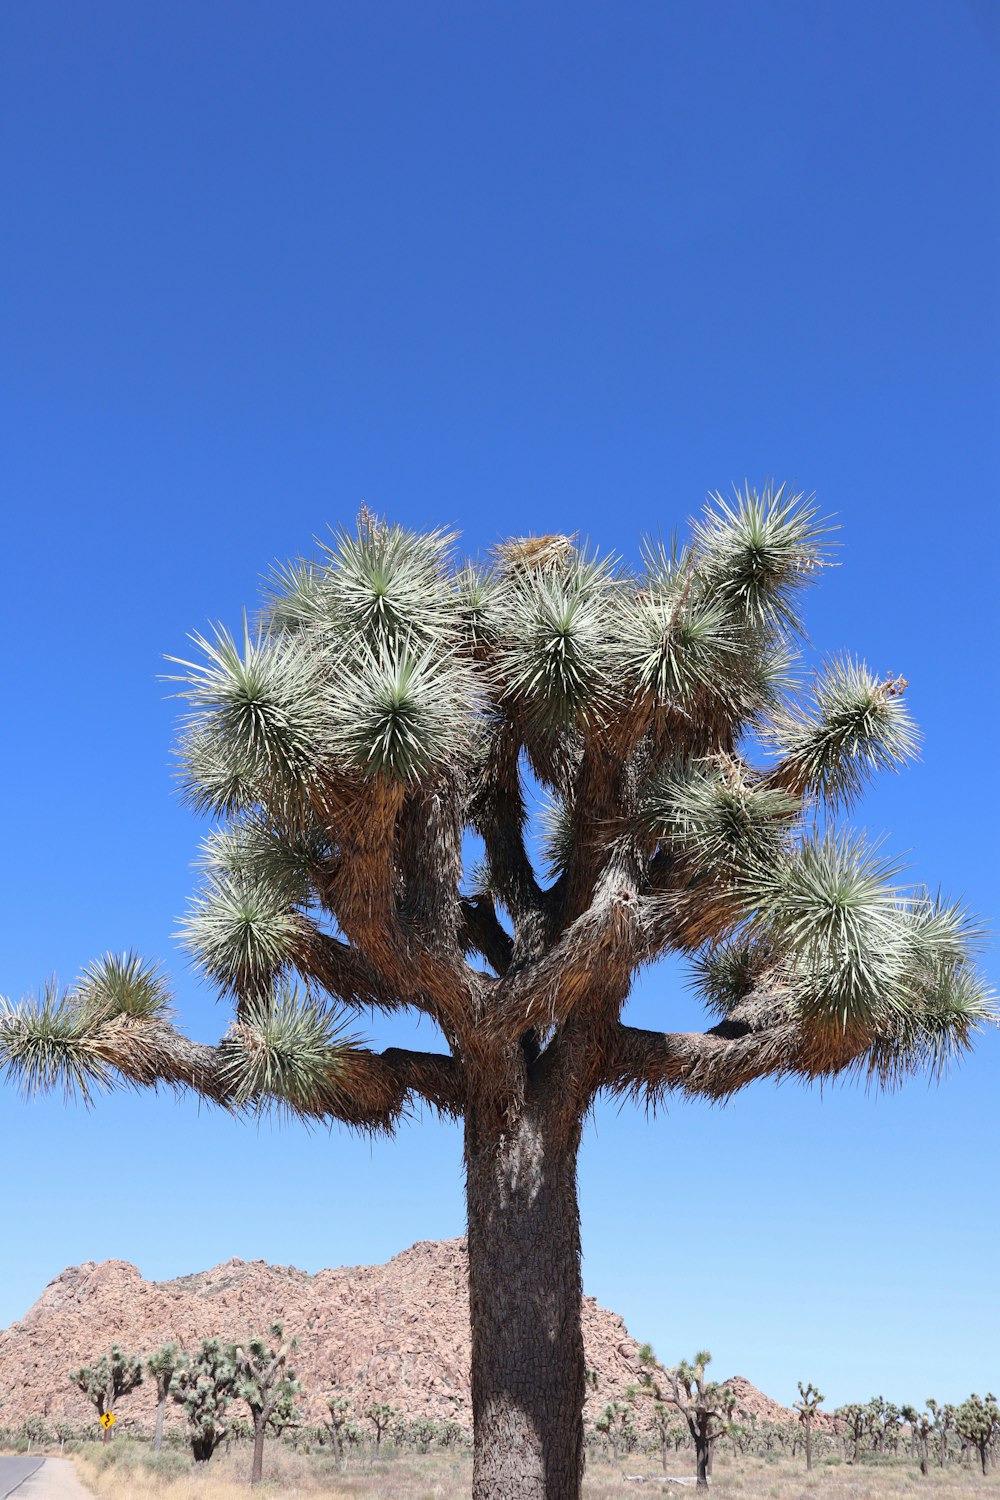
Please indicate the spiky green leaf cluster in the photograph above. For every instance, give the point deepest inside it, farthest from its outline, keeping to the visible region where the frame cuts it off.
(856, 950)
(289, 1049)
(261, 709)
(559, 656)
(387, 586)
(852, 727)
(725, 973)
(122, 986)
(716, 817)
(756, 551)
(403, 713)
(242, 928)
(47, 1043)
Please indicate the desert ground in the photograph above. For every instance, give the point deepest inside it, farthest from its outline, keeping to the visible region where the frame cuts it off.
(294, 1476)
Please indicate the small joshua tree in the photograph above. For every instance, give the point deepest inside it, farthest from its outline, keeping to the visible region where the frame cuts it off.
(705, 1405)
(977, 1421)
(381, 1417)
(161, 1367)
(888, 1425)
(113, 1376)
(922, 1426)
(661, 1415)
(422, 1431)
(661, 1422)
(340, 1415)
(853, 1420)
(809, 1402)
(204, 1387)
(268, 1387)
(615, 1425)
(33, 1430)
(944, 1422)
(393, 705)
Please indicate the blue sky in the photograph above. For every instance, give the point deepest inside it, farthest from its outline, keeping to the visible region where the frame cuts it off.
(512, 267)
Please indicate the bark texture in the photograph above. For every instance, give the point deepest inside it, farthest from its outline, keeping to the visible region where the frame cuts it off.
(257, 1471)
(161, 1408)
(525, 1289)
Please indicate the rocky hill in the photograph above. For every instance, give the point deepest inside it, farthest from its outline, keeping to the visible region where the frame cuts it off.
(397, 1333)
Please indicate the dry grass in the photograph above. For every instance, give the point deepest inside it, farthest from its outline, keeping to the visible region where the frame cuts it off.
(295, 1476)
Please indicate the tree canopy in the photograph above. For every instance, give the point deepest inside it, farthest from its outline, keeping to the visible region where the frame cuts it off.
(393, 707)
(371, 751)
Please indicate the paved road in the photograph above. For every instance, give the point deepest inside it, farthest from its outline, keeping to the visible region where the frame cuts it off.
(14, 1471)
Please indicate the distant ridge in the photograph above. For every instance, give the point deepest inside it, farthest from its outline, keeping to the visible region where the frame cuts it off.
(397, 1333)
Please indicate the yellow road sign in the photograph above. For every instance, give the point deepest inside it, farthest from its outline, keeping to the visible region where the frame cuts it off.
(108, 1420)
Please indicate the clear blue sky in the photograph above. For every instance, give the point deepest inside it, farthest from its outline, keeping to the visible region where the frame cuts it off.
(521, 266)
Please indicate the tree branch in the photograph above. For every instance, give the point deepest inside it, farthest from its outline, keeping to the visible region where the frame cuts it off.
(343, 972)
(430, 861)
(354, 1085)
(484, 933)
(362, 895)
(599, 788)
(717, 1063)
(497, 812)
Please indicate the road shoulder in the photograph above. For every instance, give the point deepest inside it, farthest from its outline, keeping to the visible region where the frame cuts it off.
(55, 1480)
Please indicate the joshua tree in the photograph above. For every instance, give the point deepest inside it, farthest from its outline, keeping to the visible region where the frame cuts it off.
(705, 1405)
(268, 1387)
(393, 710)
(809, 1402)
(161, 1368)
(887, 1420)
(661, 1421)
(204, 1386)
(380, 1416)
(615, 1424)
(113, 1376)
(977, 1421)
(944, 1421)
(33, 1430)
(65, 1432)
(422, 1432)
(921, 1426)
(661, 1417)
(854, 1422)
(339, 1408)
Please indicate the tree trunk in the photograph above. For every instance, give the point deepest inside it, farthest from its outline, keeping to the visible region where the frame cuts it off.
(702, 1451)
(203, 1447)
(259, 1431)
(809, 1447)
(524, 1292)
(161, 1407)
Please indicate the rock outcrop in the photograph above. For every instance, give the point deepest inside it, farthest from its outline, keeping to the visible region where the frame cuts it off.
(397, 1333)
